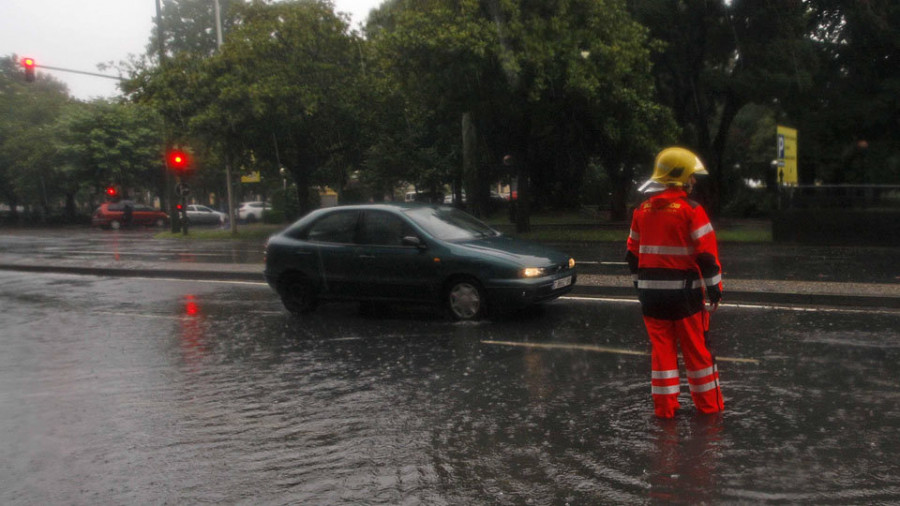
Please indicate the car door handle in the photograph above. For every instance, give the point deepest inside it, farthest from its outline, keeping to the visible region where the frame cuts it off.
(367, 256)
(303, 253)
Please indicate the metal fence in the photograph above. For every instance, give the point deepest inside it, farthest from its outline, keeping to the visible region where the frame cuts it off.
(870, 197)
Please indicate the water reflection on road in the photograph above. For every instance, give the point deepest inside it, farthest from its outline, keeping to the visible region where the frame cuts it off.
(127, 391)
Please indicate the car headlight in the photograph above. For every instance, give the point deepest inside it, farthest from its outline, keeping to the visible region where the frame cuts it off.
(571, 263)
(532, 272)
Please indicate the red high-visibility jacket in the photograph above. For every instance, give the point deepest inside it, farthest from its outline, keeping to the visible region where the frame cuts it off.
(673, 255)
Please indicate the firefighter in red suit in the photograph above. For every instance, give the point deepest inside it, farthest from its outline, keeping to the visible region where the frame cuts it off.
(674, 259)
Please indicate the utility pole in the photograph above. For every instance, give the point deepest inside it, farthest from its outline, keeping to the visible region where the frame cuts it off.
(169, 203)
(232, 220)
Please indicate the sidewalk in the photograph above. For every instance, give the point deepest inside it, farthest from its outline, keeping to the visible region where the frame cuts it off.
(743, 291)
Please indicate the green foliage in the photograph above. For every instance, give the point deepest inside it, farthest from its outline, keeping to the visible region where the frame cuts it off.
(104, 143)
(554, 83)
(28, 162)
(719, 56)
(580, 93)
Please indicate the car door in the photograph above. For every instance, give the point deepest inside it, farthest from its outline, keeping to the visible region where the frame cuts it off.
(336, 253)
(389, 268)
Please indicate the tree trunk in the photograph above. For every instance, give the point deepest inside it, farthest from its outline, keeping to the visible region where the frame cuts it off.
(470, 166)
(70, 207)
(717, 153)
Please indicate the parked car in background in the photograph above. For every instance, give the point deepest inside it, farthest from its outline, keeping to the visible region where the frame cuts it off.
(411, 253)
(115, 215)
(253, 211)
(425, 197)
(202, 215)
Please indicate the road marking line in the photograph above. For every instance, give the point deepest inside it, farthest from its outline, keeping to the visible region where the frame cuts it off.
(601, 349)
(190, 280)
(737, 305)
(138, 315)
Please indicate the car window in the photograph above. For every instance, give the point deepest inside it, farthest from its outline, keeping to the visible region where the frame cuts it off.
(450, 224)
(384, 229)
(339, 227)
(115, 207)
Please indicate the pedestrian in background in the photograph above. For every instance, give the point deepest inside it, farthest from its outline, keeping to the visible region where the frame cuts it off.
(673, 257)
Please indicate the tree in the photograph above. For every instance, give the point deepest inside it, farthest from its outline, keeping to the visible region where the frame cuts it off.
(27, 160)
(189, 26)
(105, 143)
(849, 122)
(720, 56)
(552, 84)
(289, 77)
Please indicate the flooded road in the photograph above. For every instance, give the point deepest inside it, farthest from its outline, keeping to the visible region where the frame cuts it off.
(120, 391)
(740, 260)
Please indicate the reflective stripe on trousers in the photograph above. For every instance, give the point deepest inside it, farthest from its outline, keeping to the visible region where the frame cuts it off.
(667, 336)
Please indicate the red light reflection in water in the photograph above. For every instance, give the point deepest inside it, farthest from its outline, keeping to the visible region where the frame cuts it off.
(194, 344)
(115, 247)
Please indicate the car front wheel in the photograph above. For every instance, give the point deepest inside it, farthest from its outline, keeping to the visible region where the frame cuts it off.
(465, 299)
(298, 294)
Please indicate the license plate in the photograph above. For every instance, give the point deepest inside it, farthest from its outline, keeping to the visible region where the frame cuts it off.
(562, 282)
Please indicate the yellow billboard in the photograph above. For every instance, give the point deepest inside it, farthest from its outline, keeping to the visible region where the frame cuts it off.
(252, 177)
(787, 156)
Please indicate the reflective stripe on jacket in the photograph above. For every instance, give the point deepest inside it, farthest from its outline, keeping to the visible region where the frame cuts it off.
(672, 254)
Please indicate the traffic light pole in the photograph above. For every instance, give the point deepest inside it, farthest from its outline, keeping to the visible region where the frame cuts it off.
(94, 74)
(184, 220)
(174, 206)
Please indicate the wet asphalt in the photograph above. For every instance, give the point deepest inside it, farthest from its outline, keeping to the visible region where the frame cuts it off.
(166, 372)
(155, 391)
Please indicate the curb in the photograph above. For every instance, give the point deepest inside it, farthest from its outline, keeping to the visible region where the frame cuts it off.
(205, 275)
(253, 273)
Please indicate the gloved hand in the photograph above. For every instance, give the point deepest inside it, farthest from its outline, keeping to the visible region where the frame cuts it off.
(714, 294)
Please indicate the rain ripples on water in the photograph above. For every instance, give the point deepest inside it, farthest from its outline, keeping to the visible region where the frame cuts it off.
(217, 394)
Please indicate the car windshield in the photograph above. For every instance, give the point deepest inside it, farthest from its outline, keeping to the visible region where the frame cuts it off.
(449, 224)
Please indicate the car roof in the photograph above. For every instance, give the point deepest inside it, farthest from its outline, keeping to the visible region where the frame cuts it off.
(396, 206)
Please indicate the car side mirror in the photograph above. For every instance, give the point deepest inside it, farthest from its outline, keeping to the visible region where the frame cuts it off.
(412, 240)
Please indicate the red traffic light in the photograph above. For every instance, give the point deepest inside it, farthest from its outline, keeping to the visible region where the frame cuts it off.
(178, 160)
(29, 65)
(179, 207)
(111, 191)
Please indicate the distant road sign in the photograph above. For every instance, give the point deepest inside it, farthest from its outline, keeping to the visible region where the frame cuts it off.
(787, 155)
(252, 177)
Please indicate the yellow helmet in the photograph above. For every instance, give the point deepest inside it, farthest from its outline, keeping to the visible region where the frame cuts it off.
(675, 166)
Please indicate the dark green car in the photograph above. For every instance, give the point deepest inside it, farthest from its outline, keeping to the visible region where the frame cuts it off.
(411, 253)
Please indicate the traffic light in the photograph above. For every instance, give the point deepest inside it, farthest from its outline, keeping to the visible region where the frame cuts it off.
(177, 160)
(29, 65)
(111, 191)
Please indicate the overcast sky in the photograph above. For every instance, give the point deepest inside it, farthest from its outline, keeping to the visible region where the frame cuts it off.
(80, 34)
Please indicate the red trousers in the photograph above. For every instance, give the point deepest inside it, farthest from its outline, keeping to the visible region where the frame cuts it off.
(702, 374)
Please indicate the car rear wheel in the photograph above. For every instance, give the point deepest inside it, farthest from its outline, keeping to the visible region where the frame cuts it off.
(160, 223)
(465, 299)
(298, 294)
(115, 225)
